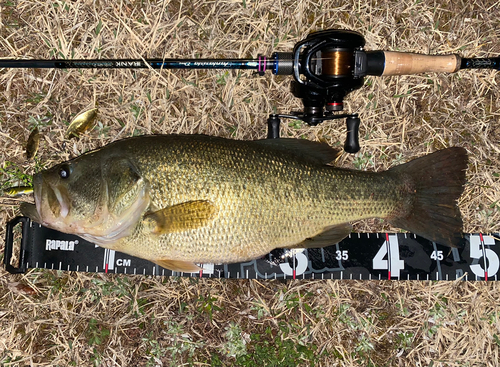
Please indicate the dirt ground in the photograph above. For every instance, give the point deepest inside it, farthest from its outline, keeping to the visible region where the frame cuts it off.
(50, 318)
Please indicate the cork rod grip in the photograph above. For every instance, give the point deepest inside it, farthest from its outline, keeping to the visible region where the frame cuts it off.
(402, 63)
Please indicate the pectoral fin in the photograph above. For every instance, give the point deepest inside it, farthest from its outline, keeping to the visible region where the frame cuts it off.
(181, 217)
(330, 236)
(177, 265)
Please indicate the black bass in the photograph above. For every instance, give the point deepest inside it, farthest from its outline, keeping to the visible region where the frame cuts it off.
(178, 200)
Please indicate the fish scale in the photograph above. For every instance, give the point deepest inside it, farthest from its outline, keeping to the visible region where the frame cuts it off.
(207, 199)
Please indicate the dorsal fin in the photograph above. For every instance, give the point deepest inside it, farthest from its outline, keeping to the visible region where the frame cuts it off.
(320, 153)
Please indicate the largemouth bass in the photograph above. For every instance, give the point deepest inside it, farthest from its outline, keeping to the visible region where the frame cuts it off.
(178, 200)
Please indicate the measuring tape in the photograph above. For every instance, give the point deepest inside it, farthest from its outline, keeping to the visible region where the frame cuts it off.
(366, 256)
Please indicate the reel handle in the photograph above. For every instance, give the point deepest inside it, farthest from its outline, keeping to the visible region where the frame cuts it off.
(351, 144)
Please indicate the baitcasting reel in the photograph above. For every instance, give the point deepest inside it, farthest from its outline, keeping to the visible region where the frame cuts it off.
(326, 66)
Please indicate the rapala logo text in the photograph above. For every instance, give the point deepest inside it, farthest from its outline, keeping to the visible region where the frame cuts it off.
(128, 64)
(60, 245)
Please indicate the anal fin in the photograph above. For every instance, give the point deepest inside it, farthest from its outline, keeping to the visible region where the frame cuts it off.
(330, 236)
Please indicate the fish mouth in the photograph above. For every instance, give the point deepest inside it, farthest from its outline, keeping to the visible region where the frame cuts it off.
(37, 191)
(50, 201)
(34, 211)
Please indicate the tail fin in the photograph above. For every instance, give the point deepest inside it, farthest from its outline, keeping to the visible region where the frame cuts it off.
(436, 182)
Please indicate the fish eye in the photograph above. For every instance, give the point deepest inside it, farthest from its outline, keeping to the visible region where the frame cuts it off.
(64, 172)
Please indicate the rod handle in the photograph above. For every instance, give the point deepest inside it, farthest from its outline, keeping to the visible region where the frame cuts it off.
(403, 63)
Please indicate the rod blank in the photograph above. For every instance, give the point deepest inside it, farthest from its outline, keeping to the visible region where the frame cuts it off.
(133, 64)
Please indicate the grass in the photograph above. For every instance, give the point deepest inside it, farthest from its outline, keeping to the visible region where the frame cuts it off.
(76, 319)
(157, 320)
(13, 175)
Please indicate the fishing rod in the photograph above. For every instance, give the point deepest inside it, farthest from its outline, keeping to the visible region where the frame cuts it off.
(326, 66)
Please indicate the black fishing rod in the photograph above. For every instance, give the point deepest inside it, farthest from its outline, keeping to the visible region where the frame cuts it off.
(326, 66)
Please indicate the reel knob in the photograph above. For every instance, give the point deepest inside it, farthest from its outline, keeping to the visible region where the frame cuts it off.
(352, 139)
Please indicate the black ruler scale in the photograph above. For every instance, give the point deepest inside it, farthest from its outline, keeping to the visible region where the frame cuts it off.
(381, 256)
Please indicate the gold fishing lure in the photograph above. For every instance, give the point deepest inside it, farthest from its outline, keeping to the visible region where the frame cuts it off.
(33, 144)
(82, 122)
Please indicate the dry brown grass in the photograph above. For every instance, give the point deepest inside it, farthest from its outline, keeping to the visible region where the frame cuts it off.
(51, 318)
